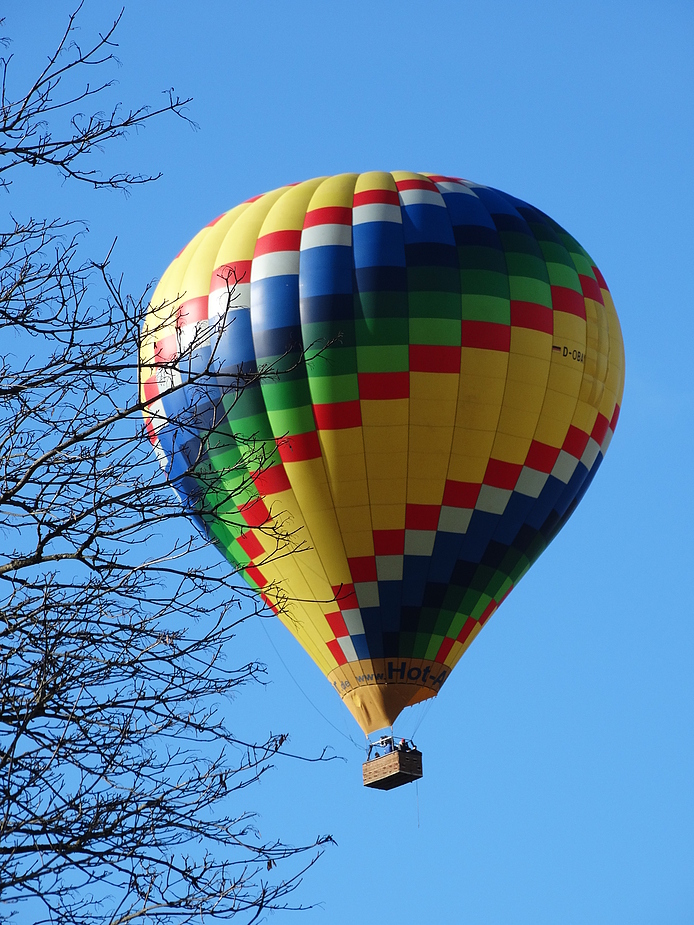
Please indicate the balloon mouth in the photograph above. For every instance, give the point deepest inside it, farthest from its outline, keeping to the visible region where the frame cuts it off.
(377, 692)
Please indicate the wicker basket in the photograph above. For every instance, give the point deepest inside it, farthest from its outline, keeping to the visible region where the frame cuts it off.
(393, 770)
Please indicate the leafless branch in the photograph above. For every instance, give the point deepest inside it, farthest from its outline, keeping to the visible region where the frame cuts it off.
(123, 781)
(27, 117)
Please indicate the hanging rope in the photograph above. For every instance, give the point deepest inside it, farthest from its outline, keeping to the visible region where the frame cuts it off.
(425, 713)
(318, 711)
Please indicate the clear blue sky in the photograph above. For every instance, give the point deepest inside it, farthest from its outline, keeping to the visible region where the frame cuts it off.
(559, 758)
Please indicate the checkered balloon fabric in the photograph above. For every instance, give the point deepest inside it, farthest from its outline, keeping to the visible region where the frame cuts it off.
(381, 395)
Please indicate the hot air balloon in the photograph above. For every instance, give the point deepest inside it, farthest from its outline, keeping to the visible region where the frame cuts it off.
(410, 380)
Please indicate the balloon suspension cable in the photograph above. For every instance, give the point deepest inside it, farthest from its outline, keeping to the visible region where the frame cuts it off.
(425, 713)
(320, 713)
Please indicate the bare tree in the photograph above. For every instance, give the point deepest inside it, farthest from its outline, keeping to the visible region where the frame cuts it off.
(121, 780)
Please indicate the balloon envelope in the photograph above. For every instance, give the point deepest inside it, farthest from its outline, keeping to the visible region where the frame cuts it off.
(382, 395)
